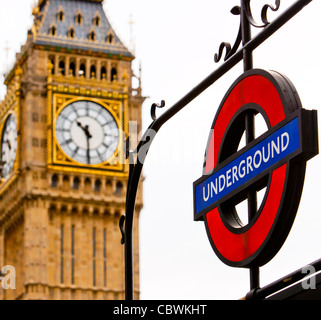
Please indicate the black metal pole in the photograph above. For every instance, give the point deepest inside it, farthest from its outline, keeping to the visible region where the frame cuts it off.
(252, 200)
(129, 278)
(250, 131)
(246, 37)
(128, 233)
(144, 144)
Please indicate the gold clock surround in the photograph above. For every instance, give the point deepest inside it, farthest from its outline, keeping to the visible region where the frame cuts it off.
(13, 109)
(57, 159)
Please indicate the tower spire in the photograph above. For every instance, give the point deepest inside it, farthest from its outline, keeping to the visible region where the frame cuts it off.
(132, 43)
(7, 50)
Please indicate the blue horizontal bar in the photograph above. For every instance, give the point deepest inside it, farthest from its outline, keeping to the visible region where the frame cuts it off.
(256, 160)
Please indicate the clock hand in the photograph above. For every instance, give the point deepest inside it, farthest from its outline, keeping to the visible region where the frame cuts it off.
(85, 129)
(9, 144)
(88, 136)
(80, 125)
(88, 152)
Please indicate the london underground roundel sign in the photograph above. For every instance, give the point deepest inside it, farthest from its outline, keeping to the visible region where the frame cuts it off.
(275, 160)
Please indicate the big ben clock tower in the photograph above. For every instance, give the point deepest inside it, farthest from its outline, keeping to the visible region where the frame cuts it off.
(63, 126)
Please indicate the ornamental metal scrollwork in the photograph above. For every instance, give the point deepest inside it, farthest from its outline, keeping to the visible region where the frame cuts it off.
(249, 16)
(264, 11)
(229, 50)
(153, 109)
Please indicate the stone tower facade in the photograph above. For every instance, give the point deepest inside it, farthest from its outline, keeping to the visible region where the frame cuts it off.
(63, 126)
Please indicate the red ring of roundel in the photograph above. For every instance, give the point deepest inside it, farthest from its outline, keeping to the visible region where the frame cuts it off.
(236, 248)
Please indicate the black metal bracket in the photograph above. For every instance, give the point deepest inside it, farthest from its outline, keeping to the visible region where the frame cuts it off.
(283, 283)
(233, 56)
(237, 11)
(122, 229)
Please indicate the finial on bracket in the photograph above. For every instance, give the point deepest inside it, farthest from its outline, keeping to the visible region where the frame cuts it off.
(153, 109)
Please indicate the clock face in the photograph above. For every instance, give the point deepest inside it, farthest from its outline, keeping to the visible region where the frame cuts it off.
(87, 132)
(9, 145)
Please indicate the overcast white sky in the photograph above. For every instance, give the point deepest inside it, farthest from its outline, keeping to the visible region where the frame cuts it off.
(175, 42)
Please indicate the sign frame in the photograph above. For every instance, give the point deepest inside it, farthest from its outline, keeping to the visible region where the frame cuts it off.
(291, 177)
(242, 50)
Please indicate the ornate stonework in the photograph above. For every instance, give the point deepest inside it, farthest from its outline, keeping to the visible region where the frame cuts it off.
(59, 218)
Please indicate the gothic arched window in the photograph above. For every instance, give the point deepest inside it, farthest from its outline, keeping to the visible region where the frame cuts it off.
(78, 18)
(92, 71)
(92, 35)
(60, 15)
(54, 181)
(62, 67)
(53, 30)
(110, 38)
(119, 188)
(72, 69)
(82, 70)
(103, 73)
(76, 183)
(71, 32)
(96, 21)
(97, 185)
(113, 74)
